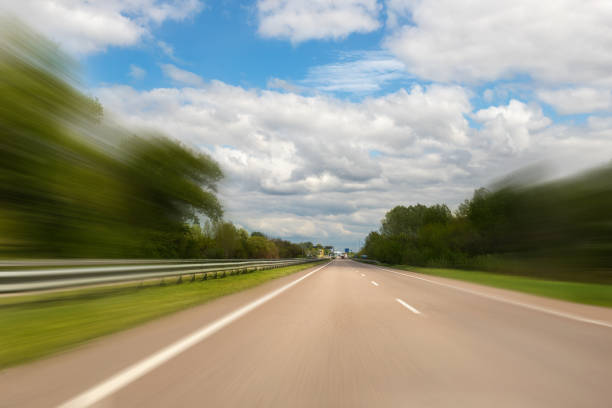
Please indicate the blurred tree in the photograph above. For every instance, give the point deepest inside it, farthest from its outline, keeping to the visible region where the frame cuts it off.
(287, 249)
(73, 184)
(560, 229)
(259, 247)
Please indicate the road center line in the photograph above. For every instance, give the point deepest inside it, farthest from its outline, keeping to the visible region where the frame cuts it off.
(505, 300)
(363, 274)
(137, 370)
(407, 306)
(374, 283)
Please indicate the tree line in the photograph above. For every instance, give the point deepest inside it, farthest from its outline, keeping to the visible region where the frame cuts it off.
(222, 240)
(74, 184)
(559, 229)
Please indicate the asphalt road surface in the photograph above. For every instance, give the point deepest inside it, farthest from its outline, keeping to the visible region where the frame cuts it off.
(342, 335)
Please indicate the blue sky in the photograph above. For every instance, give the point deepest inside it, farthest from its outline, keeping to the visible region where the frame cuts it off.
(325, 114)
(221, 42)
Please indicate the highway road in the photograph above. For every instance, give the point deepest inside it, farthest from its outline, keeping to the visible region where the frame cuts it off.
(341, 335)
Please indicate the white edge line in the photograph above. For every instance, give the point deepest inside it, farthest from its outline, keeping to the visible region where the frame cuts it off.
(505, 300)
(374, 283)
(407, 306)
(137, 370)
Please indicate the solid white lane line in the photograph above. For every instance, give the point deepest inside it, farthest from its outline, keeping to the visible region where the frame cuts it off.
(374, 283)
(134, 372)
(505, 300)
(407, 306)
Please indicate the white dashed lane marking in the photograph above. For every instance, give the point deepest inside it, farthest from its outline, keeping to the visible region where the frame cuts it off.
(407, 306)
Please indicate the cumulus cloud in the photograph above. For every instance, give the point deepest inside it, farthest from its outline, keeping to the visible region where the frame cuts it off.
(577, 100)
(180, 76)
(293, 160)
(301, 20)
(551, 41)
(309, 156)
(508, 129)
(84, 27)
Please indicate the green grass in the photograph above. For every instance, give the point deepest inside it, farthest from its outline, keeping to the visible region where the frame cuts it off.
(33, 326)
(587, 293)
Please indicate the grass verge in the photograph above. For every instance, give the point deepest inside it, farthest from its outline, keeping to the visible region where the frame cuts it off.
(587, 293)
(33, 326)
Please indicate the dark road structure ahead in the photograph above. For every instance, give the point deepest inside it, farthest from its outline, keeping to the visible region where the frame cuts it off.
(341, 335)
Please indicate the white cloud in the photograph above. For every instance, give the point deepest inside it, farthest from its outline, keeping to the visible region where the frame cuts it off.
(552, 41)
(84, 27)
(136, 72)
(603, 124)
(295, 160)
(577, 100)
(356, 72)
(302, 20)
(180, 76)
(308, 157)
(508, 129)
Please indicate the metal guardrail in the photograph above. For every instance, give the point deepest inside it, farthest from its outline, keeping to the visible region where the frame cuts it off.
(35, 263)
(27, 276)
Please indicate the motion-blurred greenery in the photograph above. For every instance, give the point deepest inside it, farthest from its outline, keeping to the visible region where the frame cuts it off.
(75, 184)
(559, 230)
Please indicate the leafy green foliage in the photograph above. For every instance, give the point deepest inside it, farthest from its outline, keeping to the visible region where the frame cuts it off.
(288, 249)
(560, 229)
(261, 247)
(72, 184)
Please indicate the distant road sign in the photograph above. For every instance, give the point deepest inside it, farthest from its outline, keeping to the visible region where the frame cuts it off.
(346, 250)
